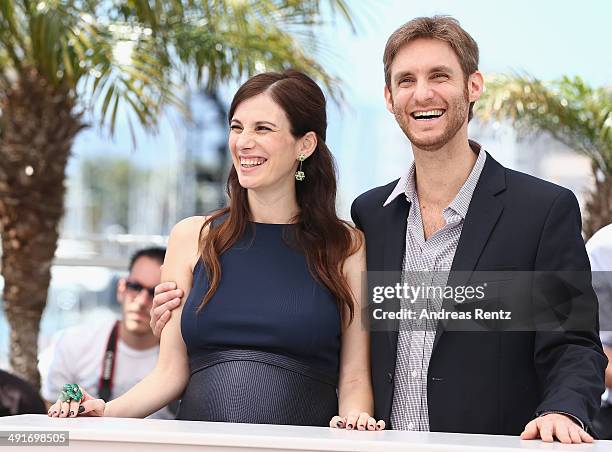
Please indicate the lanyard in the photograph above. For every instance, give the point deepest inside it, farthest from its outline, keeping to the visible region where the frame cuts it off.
(105, 385)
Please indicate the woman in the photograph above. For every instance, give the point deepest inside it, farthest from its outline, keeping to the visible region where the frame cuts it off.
(272, 283)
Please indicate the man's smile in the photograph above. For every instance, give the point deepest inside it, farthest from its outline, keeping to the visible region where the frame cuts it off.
(427, 115)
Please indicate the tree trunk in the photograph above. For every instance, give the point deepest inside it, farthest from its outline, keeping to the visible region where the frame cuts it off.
(599, 204)
(38, 125)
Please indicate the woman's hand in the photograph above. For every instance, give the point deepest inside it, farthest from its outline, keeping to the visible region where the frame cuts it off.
(87, 406)
(357, 421)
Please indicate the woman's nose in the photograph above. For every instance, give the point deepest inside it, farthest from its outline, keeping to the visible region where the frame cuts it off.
(245, 140)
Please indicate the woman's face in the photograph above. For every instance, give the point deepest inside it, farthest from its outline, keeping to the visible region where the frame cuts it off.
(264, 151)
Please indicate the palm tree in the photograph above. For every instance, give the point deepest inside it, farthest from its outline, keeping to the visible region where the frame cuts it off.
(573, 113)
(61, 60)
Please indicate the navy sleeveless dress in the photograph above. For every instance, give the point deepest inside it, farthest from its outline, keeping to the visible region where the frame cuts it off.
(265, 348)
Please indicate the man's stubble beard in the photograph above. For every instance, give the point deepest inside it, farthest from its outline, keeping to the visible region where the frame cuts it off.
(458, 111)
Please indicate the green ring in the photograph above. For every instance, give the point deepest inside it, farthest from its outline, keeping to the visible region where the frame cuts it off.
(71, 391)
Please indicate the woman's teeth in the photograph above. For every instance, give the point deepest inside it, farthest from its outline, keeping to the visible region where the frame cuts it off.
(250, 163)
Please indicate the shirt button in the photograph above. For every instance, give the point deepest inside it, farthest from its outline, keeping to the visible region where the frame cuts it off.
(414, 373)
(389, 377)
(410, 426)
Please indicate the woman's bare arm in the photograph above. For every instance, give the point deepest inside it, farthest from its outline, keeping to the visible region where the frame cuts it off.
(355, 385)
(171, 374)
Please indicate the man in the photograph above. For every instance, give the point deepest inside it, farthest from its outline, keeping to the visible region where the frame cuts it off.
(458, 209)
(108, 358)
(599, 249)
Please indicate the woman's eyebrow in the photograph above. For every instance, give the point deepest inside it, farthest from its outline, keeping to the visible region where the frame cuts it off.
(259, 123)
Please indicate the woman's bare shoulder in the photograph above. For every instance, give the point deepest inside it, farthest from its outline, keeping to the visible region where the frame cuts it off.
(188, 227)
(185, 235)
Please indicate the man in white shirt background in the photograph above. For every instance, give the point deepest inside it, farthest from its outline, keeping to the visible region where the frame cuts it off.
(108, 357)
(599, 249)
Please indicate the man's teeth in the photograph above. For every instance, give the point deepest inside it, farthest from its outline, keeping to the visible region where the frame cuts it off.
(431, 114)
(251, 162)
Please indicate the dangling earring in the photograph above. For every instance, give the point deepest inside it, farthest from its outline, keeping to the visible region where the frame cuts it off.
(299, 174)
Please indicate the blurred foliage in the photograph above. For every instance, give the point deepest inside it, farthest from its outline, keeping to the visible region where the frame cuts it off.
(107, 183)
(571, 111)
(138, 53)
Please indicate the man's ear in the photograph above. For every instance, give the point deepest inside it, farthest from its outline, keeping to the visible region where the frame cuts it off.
(121, 289)
(388, 99)
(475, 86)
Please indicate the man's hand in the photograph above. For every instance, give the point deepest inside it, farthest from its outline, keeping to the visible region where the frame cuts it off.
(554, 425)
(167, 297)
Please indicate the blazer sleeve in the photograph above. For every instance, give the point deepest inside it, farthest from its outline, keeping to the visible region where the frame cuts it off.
(570, 364)
(355, 215)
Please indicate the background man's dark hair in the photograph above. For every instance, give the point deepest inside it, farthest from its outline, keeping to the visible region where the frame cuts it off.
(155, 252)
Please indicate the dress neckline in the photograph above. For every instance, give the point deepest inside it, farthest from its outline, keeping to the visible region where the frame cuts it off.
(257, 223)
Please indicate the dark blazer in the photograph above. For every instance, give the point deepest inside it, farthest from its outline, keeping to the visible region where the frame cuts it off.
(493, 382)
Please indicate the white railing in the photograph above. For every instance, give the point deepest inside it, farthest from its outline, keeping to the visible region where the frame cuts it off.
(119, 434)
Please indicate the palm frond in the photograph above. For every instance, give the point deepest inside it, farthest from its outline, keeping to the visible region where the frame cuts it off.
(568, 109)
(78, 43)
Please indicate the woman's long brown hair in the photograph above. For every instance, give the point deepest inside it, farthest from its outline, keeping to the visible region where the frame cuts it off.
(325, 240)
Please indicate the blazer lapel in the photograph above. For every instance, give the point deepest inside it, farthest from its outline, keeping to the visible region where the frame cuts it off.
(483, 213)
(396, 214)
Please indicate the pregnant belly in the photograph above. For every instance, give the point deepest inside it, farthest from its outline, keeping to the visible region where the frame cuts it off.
(256, 387)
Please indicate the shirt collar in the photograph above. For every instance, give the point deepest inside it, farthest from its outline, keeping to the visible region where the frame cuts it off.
(401, 187)
(461, 202)
(407, 186)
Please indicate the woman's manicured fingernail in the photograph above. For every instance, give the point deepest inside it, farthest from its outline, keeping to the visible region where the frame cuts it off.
(350, 426)
(62, 412)
(71, 413)
(81, 409)
(339, 424)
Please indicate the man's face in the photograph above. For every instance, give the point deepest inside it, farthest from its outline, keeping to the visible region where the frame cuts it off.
(429, 94)
(134, 297)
